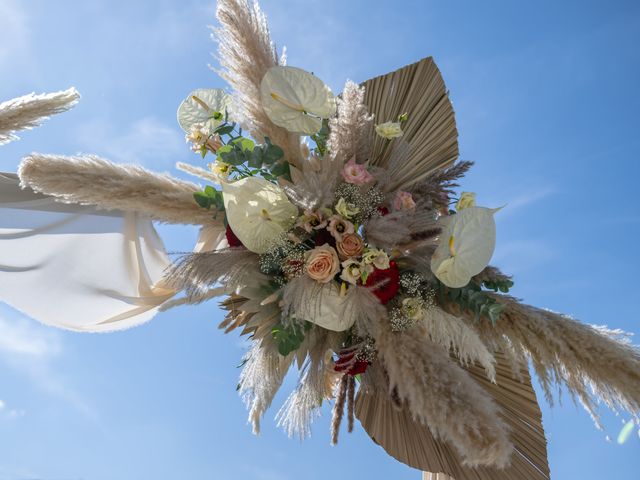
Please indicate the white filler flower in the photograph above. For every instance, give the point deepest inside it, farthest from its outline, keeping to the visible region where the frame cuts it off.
(199, 107)
(296, 100)
(258, 212)
(466, 246)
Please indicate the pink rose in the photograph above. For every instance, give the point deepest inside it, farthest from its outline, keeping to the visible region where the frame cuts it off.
(350, 246)
(356, 173)
(322, 264)
(403, 201)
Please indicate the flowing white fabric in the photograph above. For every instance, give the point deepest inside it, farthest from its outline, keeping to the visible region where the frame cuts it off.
(77, 267)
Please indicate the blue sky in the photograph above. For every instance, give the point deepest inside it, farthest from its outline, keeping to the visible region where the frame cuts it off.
(546, 100)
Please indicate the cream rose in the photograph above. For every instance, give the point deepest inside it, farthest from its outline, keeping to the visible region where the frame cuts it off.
(467, 199)
(389, 130)
(351, 245)
(322, 263)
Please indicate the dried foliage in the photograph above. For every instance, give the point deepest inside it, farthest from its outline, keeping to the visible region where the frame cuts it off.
(29, 111)
(350, 130)
(196, 273)
(246, 52)
(593, 363)
(261, 377)
(90, 180)
(454, 334)
(436, 391)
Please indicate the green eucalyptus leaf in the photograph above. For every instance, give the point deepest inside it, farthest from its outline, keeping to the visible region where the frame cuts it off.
(202, 199)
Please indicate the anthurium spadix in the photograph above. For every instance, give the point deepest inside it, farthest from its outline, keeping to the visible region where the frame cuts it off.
(466, 246)
(258, 212)
(200, 107)
(296, 100)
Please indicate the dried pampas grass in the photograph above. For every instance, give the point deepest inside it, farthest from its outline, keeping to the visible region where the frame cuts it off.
(594, 363)
(436, 391)
(196, 273)
(350, 132)
(246, 52)
(262, 375)
(303, 405)
(89, 180)
(453, 334)
(29, 111)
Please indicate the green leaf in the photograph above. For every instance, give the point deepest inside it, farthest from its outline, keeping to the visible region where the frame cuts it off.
(281, 169)
(272, 154)
(245, 144)
(224, 149)
(202, 199)
(289, 338)
(256, 157)
(224, 129)
(235, 157)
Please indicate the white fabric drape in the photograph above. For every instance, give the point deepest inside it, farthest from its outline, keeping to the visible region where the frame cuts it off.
(77, 267)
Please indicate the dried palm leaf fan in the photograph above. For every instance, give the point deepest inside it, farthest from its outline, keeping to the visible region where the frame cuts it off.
(343, 260)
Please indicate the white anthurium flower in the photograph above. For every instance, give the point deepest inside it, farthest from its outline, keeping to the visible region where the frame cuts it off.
(199, 107)
(329, 311)
(296, 100)
(466, 246)
(258, 212)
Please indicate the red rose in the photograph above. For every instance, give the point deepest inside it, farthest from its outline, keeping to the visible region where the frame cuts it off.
(347, 365)
(232, 239)
(384, 284)
(322, 237)
(383, 211)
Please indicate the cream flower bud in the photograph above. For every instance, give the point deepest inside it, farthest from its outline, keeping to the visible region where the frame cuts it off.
(389, 130)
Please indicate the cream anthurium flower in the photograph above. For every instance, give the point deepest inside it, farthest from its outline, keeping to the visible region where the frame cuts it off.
(329, 311)
(466, 246)
(258, 212)
(199, 107)
(296, 100)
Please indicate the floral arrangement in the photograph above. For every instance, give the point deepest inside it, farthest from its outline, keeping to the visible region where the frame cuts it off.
(334, 228)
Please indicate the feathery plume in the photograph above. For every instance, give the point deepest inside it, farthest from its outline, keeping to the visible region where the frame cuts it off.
(246, 52)
(594, 363)
(197, 172)
(350, 132)
(261, 377)
(89, 180)
(196, 273)
(436, 390)
(29, 111)
(453, 334)
(338, 409)
(298, 412)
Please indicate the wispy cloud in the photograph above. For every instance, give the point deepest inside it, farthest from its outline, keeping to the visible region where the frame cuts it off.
(7, 413)
(31, 350)
(146, 141)
(520, 255)
(14, 34)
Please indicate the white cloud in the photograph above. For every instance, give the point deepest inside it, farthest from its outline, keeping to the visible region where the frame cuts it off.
(31, 349)
(146, 141)
(14, 34)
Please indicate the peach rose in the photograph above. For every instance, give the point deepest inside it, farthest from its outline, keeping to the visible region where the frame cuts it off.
(350, 246)
(321, 263)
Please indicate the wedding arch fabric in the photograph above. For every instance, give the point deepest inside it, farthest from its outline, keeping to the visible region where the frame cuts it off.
(77, 267)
